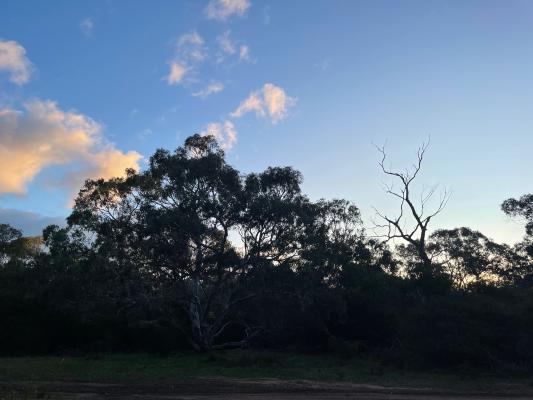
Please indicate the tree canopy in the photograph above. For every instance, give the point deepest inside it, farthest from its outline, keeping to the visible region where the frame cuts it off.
(192, 254)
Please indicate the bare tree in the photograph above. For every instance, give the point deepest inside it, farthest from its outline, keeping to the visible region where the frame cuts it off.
(412, 220)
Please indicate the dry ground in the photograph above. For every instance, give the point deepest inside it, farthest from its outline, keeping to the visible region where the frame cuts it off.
(226, 389)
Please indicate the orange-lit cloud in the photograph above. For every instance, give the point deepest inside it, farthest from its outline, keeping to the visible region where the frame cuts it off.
(223, 132)
(44, 135)
(270, 101)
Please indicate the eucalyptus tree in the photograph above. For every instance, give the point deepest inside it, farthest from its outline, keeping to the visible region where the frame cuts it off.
(468, 257)
(411, 222)
(8, 235)
(185, 234)
(523, 208)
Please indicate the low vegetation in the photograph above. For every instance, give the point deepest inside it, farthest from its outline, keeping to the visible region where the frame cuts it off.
(240, 364)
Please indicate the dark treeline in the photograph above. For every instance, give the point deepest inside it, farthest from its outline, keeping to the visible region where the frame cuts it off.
(191, 254)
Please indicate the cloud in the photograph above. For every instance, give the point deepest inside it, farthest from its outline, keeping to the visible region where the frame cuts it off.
(223, 9)
(176, 74)
(87, 26)
(276, 101)
(271, 101)
(190, 46)
(229, 47)
(244, 53)
(253, 102)
(110, 163)
(44, 135)
(31, 223)
(13, 60)
(223, 132)
(190, 50)
(210, 89)
(225, 43)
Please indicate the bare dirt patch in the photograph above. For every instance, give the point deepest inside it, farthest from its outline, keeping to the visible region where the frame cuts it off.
(225, 389)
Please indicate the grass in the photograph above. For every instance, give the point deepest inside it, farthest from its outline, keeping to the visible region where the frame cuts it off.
(237, 364)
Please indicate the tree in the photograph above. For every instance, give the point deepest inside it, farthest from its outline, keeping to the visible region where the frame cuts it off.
(8, 236)
(469, 257)
(171, 234)
(274, 217)
(397, 227)
(193, 200)
(522, 207)
(165, 232)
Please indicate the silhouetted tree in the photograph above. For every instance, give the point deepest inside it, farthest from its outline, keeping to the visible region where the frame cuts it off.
(468, 257)
(8, 235)
(409, 209)
(189, 253)
(522, 207)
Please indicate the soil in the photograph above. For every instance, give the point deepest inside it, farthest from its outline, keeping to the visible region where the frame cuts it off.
(225, 389)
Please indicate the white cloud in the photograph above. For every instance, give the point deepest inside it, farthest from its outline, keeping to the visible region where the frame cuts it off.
(190, 46)
(223, 9)
(229, 47)
(210, 89)
(244, 53)
(191, 37)
(253, 102)
(87, 26)
(44, 135)
(223, 132)
(225, 43)
(270, 101)
(13, 60)
(176, 74)
(190, 50)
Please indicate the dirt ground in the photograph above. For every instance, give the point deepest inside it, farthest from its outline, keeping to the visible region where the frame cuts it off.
(219, 389)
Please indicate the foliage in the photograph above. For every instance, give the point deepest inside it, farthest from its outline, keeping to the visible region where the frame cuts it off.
(192, 254)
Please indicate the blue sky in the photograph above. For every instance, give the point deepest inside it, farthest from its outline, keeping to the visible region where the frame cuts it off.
(87, 88)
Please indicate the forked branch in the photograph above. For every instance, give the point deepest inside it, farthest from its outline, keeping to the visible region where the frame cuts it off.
(398, 227)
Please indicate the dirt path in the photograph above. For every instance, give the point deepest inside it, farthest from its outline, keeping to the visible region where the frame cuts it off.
(219, 389)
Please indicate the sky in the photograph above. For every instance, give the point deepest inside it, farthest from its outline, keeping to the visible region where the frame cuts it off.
(88, 89)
